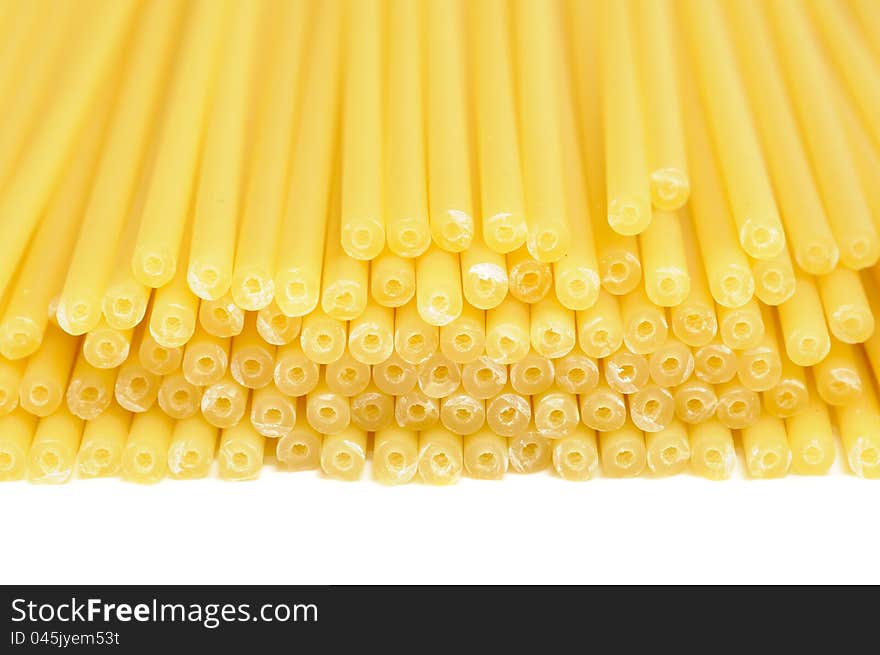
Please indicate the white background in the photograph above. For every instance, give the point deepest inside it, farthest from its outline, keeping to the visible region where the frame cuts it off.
(301, 528)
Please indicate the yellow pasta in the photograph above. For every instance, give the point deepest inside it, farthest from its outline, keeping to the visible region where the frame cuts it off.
(27, 189)
(625, 371)
(449, 193)
(177, 397)
(813, 99)
(774, 278)
(240, 453)
(695, 401)
(752, 203)
(323, 337)
(484, 279)
(10, 378)
(414, 340)
(620, 269)
(485, 455)
(44, 380)
(628, 194)
(440, 456)
(811, 439)
(872, 345)
(276, 328)
(552, 328)
(52, 455)
(668, 451)
(302, 232)
(644, 324)
(847, 312)
(103, 440)
(220, 185)
(715, 363)
(500, 173)
(205, 359)
(363, 224)
(343, 455)
(347, 376)
(191, 451)
(529, 280)
(694, 320)
(156, 358)
(483, 378)
(664, 262)
(603, 409)
(273, 414)
(438, 286)
(651, 408)
(371, 335)
(538, 83)
(106, 347)
(372, 409)
(532, 375)
(738, 407)
(90, 390)
(727, 267)
(172, 318)
(145, 457)
(344, 286)
(712, 453)
(671, 364)
(295, 374)
(790, 396)
(16, 434)
(507, 331)
(252, 359)
(461, 413)
(395, 455)
(741, 328)
(416, 411)
(622, 452)
(42, 271)
(407, 229)
(765, 445)
(395, 376)
(576, 456)
(125, 300)
(760, 368)
(853, 56)
(253, 278)
(299, 449)
(155, 257)
(327, 412)
(600, 328)
(576, 276)
(858, 425)
(837, 376)
(136, 389)
(803, 326)
(667, 159)
(464, 339)
(803, 213)
(528, 452)
(576, 372)
(508, 413)
(221, 317)
(555, 413)
(438, 376)
(224, 403)
(392, 280)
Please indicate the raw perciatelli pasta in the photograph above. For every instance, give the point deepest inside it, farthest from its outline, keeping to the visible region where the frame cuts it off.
(435, 239)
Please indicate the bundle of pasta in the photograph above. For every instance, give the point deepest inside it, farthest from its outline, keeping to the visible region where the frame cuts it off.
(438, 238)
